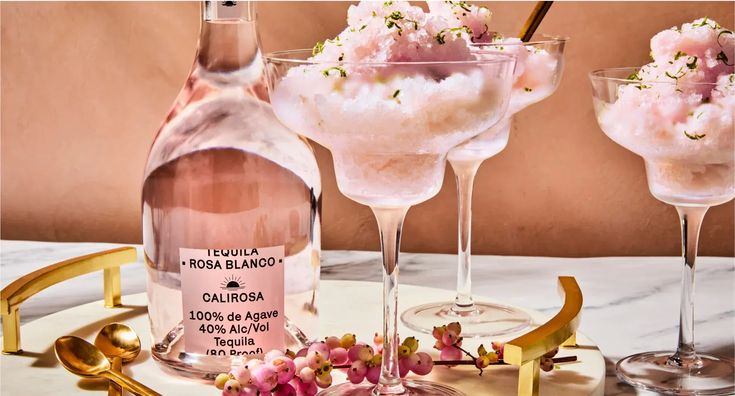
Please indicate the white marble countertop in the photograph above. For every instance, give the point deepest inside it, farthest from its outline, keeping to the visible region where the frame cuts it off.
(631, 303)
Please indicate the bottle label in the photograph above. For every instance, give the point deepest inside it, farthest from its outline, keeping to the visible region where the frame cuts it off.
(233, 300)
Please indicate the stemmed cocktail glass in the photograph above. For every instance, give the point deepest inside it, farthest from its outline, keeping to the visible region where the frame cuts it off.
(537, 75)
(684, 132)
(389, 127)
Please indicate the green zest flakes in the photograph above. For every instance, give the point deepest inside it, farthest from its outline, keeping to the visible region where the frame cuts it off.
(692, 64)
(328, 71)
(694, 136)
(679, 54)
(441, 36)
(528, 89)
(723, 57)
(676, 76)
(318, 48)
(396, 93)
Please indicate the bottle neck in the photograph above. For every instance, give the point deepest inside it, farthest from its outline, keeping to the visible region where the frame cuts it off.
(228, 11)
(228, 41)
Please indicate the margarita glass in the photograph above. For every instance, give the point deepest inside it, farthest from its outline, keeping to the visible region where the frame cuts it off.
(389, 127)
(537, 75)
(684, 132)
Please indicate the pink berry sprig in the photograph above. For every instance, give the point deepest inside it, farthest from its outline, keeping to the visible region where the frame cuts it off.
(304, 372)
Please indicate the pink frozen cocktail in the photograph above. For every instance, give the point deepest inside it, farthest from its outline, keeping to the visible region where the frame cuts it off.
(677, 113)
(538, 71)
(389, 97)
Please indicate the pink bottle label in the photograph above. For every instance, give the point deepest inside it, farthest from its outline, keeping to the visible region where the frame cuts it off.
(233, 300)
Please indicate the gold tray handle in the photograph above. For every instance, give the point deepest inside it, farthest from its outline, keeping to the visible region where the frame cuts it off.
(109, 261)
(527, 350)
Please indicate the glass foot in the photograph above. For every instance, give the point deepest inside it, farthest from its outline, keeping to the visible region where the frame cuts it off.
(484, 321)
(413, 388)
(650, 371)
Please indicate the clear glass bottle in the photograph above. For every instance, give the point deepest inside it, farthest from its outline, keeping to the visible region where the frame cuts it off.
(231, 212)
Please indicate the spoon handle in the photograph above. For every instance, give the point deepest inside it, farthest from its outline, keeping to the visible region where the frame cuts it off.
(130, 384)
(114, 389)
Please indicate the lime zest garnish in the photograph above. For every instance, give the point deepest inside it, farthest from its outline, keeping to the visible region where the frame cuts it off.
(694, 136)
(342, 72)
(318, 48)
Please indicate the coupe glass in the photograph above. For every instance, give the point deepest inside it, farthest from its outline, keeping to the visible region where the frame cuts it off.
(690, 169)
(484, 319)
(389, 127)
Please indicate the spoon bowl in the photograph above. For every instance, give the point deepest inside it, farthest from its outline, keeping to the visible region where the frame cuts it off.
(86, 360)
(80, 357)
(118, 340)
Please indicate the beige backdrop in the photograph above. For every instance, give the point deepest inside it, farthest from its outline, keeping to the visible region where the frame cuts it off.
(85, 85)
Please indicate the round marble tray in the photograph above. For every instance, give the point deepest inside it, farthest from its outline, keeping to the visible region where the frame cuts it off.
(345, 306)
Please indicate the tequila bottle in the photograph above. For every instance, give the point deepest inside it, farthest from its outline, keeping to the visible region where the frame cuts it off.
(230, 212)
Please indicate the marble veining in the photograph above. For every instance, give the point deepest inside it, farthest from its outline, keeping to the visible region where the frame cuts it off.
(631, 303)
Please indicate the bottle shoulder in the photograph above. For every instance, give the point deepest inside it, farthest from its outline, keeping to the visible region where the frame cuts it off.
(207, 117)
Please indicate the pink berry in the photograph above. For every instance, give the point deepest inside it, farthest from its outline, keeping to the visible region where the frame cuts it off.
(373, 374)
(324, 381)
(413, 360)
(320, 347)
(272, 355)
(547, 364)
(241, 374)
(356, 373)
(250, 390)
(333, 342)
(365, 353)
(299, 363)
(359, 367)
(338, 356)
(307, 374)
(455, 327)
(302, 352)
(304, 389)
(253, 363)
(265, 377)
(285, 390)
(354, 351)
(403, 368)
(285, 367)
(450, 353)
(438, 332)
(314, 359)
(425, 364)
(450, 337)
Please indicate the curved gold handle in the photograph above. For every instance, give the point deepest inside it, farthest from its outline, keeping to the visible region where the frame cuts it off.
(109, 261)
(527, 350)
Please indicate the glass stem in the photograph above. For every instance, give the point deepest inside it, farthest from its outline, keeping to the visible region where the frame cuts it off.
(390, 222)
(464, 172)
(690, 218)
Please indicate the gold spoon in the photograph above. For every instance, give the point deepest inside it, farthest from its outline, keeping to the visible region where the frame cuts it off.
(121, 345)
(85, 360)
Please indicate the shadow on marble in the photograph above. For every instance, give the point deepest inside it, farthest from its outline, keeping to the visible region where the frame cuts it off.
(47, 357)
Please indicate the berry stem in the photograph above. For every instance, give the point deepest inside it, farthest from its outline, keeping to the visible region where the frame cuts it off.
(565, 359)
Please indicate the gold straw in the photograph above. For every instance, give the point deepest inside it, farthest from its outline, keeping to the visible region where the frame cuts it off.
(534, 20)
